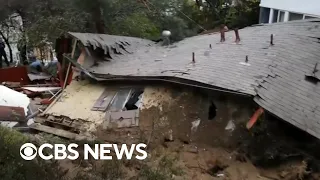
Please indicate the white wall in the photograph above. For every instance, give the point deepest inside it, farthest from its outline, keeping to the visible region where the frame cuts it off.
(310, 7)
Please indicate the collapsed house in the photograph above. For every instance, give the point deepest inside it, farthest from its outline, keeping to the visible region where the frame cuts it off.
(208, 84)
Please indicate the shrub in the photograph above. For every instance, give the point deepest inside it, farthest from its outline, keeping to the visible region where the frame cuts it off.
(12, 166)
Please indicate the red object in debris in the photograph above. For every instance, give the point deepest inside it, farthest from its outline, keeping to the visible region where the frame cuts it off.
(61, 75)
(254, 118)
(10, 113)
(46, 101)
(15, 74)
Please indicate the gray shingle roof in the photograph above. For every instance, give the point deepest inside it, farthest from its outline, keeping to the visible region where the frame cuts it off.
(275, 75)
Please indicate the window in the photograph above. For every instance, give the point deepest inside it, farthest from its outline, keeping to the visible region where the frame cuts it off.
(309, 17)
(295, 16)
(281, 16)
(275, 16)
(264, 15)
(119, 99)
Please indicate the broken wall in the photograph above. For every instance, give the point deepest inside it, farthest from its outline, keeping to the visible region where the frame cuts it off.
(76, 103)
(183, 114)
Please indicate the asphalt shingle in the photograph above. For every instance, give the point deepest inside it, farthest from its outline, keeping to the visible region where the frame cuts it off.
(274, 75)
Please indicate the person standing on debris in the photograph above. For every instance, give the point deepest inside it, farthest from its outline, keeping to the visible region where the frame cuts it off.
(3, 53)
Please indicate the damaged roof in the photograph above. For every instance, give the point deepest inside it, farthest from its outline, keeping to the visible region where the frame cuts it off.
(276, 75)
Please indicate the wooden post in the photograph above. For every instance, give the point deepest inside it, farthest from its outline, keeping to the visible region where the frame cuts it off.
(193, 58)
(69, 65)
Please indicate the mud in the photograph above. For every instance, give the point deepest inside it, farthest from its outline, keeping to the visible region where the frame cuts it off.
(184, 114)
(176, 122)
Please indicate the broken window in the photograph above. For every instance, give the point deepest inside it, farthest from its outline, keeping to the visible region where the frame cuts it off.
(123, 110)
(119, 99)
(134, 101)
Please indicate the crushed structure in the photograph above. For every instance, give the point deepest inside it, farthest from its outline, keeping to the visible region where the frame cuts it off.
(270, 65)
(190, 88)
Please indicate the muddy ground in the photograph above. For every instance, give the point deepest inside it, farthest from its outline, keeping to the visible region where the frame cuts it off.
(178, 150)
(177, 160)
(271, 150)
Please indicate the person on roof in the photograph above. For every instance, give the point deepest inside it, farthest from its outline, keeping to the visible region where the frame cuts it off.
(3, 53)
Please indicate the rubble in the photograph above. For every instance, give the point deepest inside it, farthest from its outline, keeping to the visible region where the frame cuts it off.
(208, 130)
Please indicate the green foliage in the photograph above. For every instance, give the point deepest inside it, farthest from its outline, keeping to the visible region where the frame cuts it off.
(45, 20)
(110, 170)
(178, 27)
(137, 25)
(165, 170)
(245, 14)
(50, 19)
(12, 166)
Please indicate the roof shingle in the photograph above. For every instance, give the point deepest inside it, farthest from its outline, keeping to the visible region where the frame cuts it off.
(275, 75)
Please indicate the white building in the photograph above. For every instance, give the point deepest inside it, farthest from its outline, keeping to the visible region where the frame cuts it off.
(272, 11)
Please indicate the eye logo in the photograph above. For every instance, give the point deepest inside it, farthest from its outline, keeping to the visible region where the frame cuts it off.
(28, 151)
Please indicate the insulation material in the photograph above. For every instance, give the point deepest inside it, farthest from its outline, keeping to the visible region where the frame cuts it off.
(77, 101)
(123, 119)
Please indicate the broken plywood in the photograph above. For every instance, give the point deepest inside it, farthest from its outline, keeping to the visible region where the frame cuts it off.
(104, 100)
(122, 119)
(77, 101)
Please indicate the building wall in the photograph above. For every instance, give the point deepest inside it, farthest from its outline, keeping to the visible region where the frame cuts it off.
(288, 10)
(183, 114)
(311, 7)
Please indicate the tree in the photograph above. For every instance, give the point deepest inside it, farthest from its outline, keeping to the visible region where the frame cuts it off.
(94, 10)
(46, 20)
(52, 18)
(244, 14)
